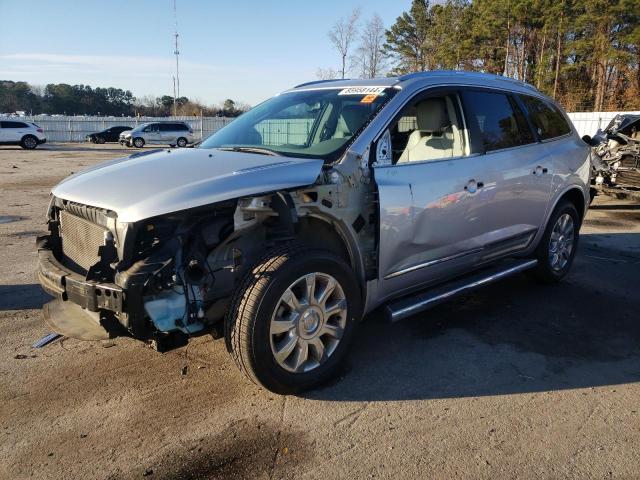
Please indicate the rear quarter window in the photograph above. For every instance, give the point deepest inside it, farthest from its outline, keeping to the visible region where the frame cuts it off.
(497, 119)
(546, 118)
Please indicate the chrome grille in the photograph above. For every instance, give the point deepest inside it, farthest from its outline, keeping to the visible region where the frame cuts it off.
(80, 241)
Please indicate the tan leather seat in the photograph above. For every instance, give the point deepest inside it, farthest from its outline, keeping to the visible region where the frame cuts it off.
(436, 136)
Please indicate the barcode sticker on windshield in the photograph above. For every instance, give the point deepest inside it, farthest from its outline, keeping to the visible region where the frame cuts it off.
(362, 91)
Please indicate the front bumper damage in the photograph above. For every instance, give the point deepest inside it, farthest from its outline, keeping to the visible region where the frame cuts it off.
(92, 310)
(79, 305)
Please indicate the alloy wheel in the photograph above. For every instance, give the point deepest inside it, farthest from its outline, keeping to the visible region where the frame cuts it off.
(561, 242)
(308, 322)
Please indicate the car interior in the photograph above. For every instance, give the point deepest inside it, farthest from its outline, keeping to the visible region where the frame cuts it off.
(429, 129)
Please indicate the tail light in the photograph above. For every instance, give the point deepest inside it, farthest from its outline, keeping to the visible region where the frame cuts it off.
(39, 130)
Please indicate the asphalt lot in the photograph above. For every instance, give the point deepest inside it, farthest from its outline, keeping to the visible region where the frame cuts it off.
(517, 380)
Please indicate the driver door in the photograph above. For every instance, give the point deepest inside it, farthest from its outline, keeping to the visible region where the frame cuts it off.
(431, 207)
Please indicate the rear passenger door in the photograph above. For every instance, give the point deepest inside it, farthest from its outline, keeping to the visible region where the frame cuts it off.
(517, 170)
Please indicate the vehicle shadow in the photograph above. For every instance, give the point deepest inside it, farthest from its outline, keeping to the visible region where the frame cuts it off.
(516, 336)
(22, 297)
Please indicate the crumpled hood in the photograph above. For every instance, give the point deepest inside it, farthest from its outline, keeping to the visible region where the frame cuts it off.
(160, 182)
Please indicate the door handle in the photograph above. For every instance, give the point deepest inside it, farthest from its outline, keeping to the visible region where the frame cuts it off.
(540, 170)
(472, 186)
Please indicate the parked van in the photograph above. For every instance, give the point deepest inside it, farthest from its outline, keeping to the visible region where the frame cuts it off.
(164, 133)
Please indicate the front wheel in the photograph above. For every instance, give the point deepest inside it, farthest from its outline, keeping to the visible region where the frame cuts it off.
(138, 142)
(29, 142)
(559, 244)
(291, 322)
(100, 140)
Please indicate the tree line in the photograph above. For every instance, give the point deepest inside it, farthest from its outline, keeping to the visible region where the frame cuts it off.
(64, 99)
(584, 53)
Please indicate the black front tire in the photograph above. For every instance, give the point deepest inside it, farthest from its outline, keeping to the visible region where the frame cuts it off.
(247, 325)
(29, 142)
(181, 142)
(100, 140)
(545, 271)
(138, 142)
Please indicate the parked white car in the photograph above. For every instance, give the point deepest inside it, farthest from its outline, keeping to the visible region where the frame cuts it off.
(26, 134)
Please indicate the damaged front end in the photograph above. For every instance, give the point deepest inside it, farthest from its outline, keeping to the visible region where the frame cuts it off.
(615, 157)
(150, 279)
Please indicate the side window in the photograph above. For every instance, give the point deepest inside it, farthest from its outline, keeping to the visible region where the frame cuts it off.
(498, 120)
(429, 128)
(546, 118)
(166, 127)
(181, 127)
(12, 125)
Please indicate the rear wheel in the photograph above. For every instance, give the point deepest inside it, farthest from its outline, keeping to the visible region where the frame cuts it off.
(138, 142)
(181, 142)
(29, 142)
(291, 322)
(559, 244)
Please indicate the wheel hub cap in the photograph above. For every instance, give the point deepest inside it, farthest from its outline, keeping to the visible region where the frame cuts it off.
(308, 322)
(561, 242)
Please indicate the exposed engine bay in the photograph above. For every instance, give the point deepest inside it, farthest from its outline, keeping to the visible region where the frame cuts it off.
(616, 153)
(172, 276)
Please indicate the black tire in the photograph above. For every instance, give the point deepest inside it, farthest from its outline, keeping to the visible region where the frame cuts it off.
(29, 142)
(247, 325)
(100, 140)
(138, 142)
(544, 271)
(181, 142)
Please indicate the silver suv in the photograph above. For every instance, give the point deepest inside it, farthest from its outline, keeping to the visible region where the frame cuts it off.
(286, 227)
(165, 133)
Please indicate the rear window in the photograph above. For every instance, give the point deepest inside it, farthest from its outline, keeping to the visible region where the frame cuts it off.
(498, 119)
(546, 118)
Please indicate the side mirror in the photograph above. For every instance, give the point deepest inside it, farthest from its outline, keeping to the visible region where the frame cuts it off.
(383, 150)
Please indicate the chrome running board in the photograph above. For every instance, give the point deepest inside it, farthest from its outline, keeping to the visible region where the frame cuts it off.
(405, 307)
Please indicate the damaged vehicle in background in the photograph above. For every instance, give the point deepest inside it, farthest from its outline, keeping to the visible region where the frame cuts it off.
(282, 230)
(616, 153)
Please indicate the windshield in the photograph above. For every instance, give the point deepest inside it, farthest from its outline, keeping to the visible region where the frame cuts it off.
(314, 123)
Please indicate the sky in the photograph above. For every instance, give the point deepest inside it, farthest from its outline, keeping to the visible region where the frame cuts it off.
(247, 50)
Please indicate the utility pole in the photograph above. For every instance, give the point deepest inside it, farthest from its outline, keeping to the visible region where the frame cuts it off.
(176, 52)
(174, 98)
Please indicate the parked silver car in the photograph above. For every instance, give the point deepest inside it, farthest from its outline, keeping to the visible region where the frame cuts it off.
(286, 227)
(159, 133)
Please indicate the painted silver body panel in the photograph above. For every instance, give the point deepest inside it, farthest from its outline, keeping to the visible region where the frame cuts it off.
(432, 229)
(173, 180)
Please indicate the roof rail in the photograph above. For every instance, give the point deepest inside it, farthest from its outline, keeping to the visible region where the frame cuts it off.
(437, 73)
(315, 82)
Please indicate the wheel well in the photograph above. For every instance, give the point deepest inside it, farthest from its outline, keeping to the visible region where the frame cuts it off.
(576, 197)
(319, 233)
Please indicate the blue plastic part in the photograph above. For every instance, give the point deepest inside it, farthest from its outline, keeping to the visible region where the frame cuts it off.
(46, 340)
(167, 311)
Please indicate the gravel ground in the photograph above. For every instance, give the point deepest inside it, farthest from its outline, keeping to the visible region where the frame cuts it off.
(517, 380)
